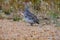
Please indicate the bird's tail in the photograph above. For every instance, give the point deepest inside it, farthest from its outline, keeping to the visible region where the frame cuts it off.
(37, 22)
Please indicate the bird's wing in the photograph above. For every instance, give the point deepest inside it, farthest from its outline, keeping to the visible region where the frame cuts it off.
(30, 16)
(28, 13)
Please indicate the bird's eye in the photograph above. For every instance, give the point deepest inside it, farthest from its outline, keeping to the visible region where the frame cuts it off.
(25, 16)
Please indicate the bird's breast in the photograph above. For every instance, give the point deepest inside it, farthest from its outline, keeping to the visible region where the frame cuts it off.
(28, 20)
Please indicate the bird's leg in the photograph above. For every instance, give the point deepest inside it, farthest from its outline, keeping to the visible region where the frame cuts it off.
(31, 24)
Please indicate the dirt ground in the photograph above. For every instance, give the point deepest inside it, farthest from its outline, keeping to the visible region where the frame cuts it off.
(11, 30)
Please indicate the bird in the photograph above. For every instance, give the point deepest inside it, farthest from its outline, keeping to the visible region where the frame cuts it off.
(30, 17)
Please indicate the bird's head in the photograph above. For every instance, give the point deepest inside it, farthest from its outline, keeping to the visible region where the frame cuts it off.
(27, 5)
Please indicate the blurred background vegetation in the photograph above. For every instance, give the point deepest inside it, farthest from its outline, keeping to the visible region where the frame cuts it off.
(46, 10)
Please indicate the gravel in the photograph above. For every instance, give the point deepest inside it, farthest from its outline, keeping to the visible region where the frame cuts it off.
(11, 30)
